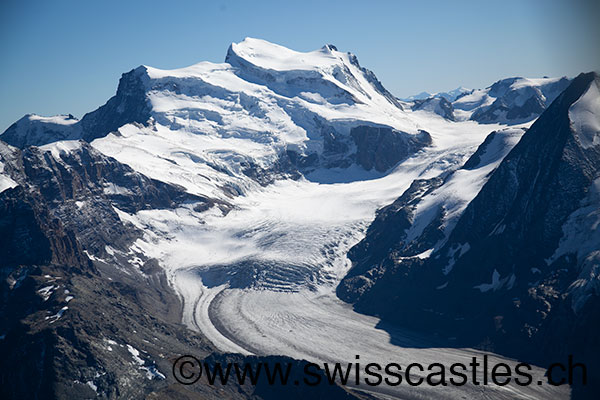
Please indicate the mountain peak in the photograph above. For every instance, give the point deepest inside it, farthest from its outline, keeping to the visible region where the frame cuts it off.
(33, 129)
(271, 56)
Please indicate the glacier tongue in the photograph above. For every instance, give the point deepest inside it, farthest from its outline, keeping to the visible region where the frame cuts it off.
(261, 279)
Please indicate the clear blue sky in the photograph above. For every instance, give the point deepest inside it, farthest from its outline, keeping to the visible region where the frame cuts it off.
(67, 56)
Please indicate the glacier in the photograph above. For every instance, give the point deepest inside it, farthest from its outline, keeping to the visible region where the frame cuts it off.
(268, 136)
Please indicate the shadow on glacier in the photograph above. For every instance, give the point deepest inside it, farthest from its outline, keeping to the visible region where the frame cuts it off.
(354, 173)
(408, 338)
(260, 274)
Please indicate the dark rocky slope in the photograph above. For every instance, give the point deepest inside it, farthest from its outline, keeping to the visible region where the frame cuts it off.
(381, 147)
(494, 283)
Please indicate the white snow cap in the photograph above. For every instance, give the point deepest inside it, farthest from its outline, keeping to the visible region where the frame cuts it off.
(273, 56)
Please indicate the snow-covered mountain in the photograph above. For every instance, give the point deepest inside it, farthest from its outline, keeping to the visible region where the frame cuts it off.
(450, 95)
(265, 105)
(437, 105)
(508, 101)
(35, 130)
(228, 197)
(511, 100)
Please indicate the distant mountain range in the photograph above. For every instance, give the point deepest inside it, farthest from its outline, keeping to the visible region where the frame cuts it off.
(509, 101)
(449, 95)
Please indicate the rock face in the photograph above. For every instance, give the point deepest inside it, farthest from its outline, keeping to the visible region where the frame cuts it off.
(129, 105)
(439, 105)
(382, 148)
(386, 239)
(67, 317)
(515, 275)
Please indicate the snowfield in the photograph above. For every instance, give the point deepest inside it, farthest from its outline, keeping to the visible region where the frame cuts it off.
(5, 181)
